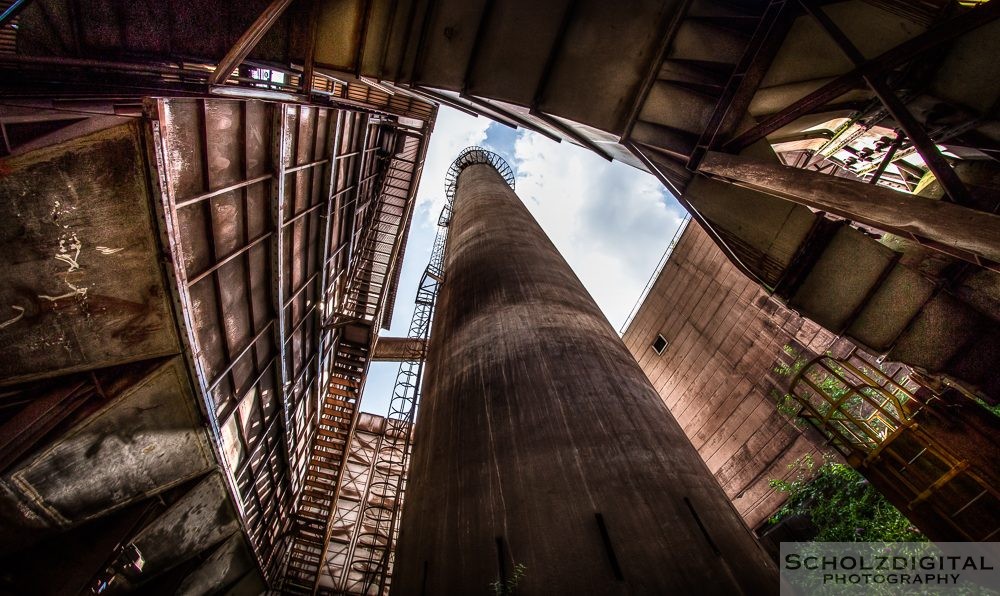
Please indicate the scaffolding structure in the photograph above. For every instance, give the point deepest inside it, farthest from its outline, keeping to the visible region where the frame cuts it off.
(893, 433)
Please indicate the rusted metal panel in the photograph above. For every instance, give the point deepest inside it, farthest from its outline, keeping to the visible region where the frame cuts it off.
(82, 287)
(249, 190)
(396, 349)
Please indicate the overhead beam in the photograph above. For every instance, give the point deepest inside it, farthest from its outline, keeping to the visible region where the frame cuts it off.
(696, 215)
(887, 159)
(914, 217)
(434, 96)
(518, 120)
(477, 43)
(550, 61)
(668, 30)
(398, 349)
(309, 66)
(366, 17)
(924, 144)
(246, 43)
(746, 77)
(12, 11)
(572, 133)
(897, 56)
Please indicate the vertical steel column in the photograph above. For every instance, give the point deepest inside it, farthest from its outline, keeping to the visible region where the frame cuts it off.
(543, 456)
(279, 150)
(325, 335)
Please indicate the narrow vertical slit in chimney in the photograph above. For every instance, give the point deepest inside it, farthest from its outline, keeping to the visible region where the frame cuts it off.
(701, 525)
(609, 548)
(502, 560)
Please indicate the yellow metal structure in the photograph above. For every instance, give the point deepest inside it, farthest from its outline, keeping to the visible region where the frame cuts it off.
(885, 427)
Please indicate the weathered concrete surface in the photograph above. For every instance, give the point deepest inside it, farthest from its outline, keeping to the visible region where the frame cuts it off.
(536, 418)
(146, 440)
(832, 298)
(720, 372)
(223, 568)
(200, 519)
(80, 286)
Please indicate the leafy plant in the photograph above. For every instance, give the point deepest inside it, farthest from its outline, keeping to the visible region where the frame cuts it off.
(995, 410)
(502, 588)
(842, 504)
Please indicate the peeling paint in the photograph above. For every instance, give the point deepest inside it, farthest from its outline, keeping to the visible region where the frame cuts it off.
(61, 296)
(17, 318)
(67, 243)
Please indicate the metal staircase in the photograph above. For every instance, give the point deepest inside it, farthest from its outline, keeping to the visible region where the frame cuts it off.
(901, 443)
(323, 475)
(365, 303)
(370, 568)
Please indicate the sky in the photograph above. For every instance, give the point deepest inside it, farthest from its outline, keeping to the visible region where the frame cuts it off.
(610, 221)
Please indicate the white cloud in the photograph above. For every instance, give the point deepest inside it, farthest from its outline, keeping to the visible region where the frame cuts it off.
(610, 221)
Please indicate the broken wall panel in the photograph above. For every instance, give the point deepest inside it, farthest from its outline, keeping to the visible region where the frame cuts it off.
(719, 373)
(81, 287)
(147, 439)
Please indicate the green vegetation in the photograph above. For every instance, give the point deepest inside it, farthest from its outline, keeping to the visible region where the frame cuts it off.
(842, 505)
(995, 410)
(501, 588)
(790, 370)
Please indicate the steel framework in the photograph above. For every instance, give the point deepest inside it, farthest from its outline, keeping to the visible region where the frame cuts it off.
(880, 425)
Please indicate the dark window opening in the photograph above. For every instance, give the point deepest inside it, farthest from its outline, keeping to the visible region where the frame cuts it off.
(659, 344)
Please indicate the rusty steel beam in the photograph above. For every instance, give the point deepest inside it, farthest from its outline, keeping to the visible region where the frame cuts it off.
(572, 133)
(938, 165)
(366, 17)
(746, 78)
(309, 66)
(477, 44)
(911, 216)
(279, 143)
(246, 43)
(897, 56)
(554, 51)
(24, 430)
(700, 219)
(887, 158)
(669, 28)
(398, 349)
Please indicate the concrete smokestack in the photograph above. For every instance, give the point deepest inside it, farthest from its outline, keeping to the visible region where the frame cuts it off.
(540, 442)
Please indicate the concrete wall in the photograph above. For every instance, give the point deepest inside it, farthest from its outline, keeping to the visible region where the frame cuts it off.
(726, 337)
